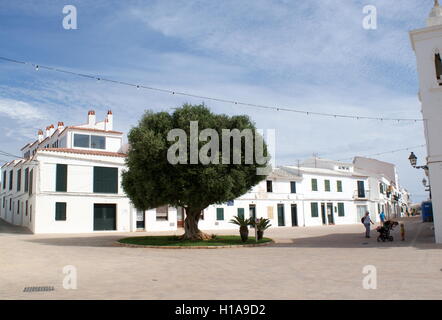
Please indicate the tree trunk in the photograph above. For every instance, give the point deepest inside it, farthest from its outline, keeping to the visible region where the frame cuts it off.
(191, 231)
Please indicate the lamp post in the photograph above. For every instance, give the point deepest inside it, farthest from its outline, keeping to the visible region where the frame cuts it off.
(413, 161)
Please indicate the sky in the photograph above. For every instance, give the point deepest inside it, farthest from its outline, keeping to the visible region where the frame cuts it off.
(312, 55)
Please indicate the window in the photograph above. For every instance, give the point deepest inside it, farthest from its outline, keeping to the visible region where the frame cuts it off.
(314, 184)
(89, 141)
(26, 179)
(11, 177)
(339, 186)
(314, 209)
(327, 185)
(438, 63)
(4, 180)
(81, 140)
(293, 186)
(98, 142)
(10, 204)
(241, 213)
(18, 179)
(162, 213)
(361, 189)
(269, 186)
(105, 180)
(341, 211)
(31, 181)
(18, 206)
(4, 200)
(381, 188)
(26, 209)
(61, 181)
(60, 211)
(219, 213)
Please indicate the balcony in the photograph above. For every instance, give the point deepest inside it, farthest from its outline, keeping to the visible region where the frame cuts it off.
(361, 195)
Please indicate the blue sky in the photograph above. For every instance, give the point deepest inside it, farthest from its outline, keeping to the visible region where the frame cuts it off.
(312, 55)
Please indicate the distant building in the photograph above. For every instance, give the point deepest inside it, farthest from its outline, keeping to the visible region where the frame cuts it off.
(69, 181)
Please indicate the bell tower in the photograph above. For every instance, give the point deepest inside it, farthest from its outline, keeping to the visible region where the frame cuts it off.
(427, 45)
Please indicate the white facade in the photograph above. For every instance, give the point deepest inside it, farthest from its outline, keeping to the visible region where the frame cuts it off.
(427, 45)
(69, 181)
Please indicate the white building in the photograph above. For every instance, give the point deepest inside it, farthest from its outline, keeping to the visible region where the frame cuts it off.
(427, 45)
(69, 181)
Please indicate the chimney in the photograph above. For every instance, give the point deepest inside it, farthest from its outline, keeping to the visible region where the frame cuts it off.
(51, 130)
(91, 118)
(60, 126)
(109, 121)
(40, 135)
(47, 131)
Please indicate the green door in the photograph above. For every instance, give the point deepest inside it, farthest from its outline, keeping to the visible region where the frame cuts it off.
(294, 209)
(105, 217)
(281, 221)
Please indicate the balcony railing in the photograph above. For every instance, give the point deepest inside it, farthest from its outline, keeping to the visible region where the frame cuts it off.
(361, 194)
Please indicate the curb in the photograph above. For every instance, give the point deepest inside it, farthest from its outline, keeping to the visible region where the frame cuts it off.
(119, 244)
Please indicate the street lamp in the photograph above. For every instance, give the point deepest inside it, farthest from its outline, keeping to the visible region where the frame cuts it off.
(413, 159)
(413, 162)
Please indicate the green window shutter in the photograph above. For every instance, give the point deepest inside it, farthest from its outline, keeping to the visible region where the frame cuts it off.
(60, 211)
(314, 184)
(31, 181)
(327, 185)
(314, 208)
(339, 185)
(241, 212)
(18, 179)
(105, 180)
(341, 211)
(293, 186)
(61, 178)
(26, 179)
(219, 213)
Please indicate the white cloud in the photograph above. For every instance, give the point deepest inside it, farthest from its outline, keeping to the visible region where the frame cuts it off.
(19, 110)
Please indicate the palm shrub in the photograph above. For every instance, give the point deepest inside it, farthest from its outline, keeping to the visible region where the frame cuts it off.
(243, 226)
(261, 225)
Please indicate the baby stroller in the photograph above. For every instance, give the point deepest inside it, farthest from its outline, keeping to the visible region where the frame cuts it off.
(384, 231)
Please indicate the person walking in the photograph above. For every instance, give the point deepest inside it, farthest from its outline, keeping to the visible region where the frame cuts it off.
(366, 220)
(382, 217)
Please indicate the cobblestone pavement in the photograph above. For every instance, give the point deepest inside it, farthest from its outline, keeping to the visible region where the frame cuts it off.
(305, 263)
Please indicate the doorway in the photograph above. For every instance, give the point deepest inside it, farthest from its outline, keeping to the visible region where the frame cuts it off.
(361, 210)
(330, 217)
(294, 211)
(141, 220)
(252, 212)
(281, 220)
(324, 219)
(105, 217)
(180, 217)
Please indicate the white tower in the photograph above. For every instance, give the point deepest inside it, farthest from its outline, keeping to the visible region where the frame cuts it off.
(427, 45)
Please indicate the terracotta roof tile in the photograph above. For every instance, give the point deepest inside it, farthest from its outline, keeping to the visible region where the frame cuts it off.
(81, 151)
(94, 130)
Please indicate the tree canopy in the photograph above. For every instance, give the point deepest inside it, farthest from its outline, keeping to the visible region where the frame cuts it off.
(152, 180)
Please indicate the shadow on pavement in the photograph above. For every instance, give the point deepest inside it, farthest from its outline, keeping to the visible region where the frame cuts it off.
(8, 228)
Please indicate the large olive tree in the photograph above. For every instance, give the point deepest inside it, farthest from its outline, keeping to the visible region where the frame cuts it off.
(164, 170)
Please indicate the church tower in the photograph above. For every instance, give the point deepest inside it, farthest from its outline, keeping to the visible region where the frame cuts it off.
(427, 45)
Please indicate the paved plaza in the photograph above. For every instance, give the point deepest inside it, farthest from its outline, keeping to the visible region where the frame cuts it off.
(304, 263)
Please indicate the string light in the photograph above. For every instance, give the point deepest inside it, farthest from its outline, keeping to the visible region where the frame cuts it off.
(388, 152)
(138, 86)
